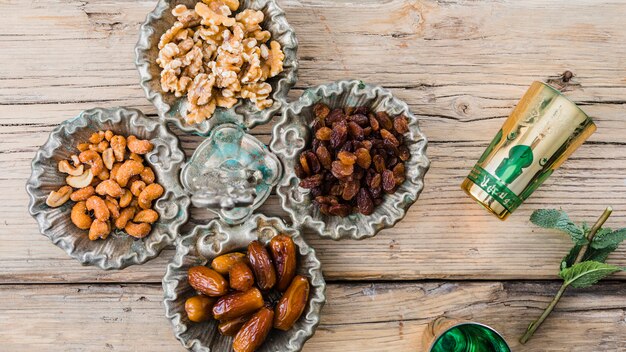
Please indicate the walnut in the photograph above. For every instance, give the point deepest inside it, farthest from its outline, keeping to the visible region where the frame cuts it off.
(260, 36)
(273, 59)
(225, 102)
(258, 93)
(216, 13)
(251, 20)
(168, 36)
(187, 17)
(200, 91)
(199, 113)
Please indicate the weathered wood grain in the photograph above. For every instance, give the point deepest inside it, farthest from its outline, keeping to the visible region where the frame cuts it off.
(357, 317)
(461, 66)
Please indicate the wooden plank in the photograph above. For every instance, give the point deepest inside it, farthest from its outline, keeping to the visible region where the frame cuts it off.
(359, 317)
(452, 62)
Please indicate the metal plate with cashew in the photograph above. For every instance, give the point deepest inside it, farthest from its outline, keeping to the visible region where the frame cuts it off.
(119, 250)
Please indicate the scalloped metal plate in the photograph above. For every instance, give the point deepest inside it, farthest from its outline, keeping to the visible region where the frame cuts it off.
(244, 113)
(119, 250)
(208, 241)
(292, 134)
(218, 170)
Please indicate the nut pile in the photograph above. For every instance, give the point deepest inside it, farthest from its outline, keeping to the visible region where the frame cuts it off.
(110, 185)
(241, 303)
(216, 57)
(355, 158)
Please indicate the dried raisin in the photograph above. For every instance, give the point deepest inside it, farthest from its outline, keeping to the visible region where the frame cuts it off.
(401, 124)
(364, 202)
(324, 157)
(363, 158)
(389, 182)
(346, 157)
(323, 134)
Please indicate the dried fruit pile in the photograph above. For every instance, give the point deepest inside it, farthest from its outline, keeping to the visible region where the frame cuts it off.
(355, 157)
(243, 308)
(111, 187)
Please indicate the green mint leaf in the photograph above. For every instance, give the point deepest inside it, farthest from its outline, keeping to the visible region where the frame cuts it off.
(608, 238)
(558, 219)
(569, 259)
(587, 273)
(598, 255)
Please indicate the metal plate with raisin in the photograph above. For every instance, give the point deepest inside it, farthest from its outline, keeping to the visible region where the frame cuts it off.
(294, 133)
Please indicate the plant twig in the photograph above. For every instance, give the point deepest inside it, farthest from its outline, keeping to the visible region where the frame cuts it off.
(537, 323)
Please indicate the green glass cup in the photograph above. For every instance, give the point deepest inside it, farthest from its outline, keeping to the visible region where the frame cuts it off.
(454, 335)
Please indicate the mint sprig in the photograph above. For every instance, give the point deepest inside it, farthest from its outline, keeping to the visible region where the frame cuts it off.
(584, 265)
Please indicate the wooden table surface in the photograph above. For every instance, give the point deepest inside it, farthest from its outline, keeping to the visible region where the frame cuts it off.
(460, 65)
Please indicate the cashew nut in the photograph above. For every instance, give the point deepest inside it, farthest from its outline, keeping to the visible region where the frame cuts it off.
(118, 144)
(137, 230)
(125, 216)
(99, 207)
(93, 159)
(138, 146)
(114, 208)
(136, 187)
(59, 197)
(82, 146)
(79, 216)
(126, 198)
(127, 170)
(82, 194)
(114, 170)
(150, 193)
(108, 158)
(96, 137)
(147, 175)
(81, 181)
(108, 134)
(99, 229)
(136, 157)
(75, 160)
(146, 215)
(104, 175)
(64, 166)
(102, 146)
(109, 187)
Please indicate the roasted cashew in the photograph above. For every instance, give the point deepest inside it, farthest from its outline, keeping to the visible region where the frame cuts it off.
(64, 166)
(93, 159)
(99, 229)
(150, 193)
(146, 215)
(118, 144)
(127, 170)
(109, 187)
(59, 197)
(83, 194)
(137, 230)
(126, 198)
(108, 159)
(79, 216)
(147, 175)
(136, 187)
(138, 146)
(99, 207)
(81, 181)
(125, 216)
